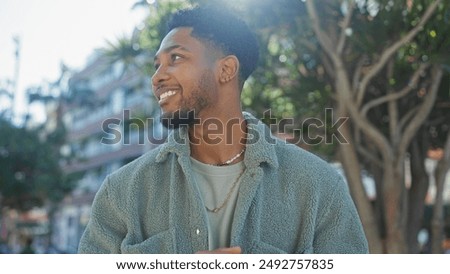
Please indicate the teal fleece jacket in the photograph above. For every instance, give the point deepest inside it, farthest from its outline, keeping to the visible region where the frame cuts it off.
(290, 201)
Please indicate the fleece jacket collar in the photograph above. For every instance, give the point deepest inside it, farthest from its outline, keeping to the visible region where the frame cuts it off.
(260, 144)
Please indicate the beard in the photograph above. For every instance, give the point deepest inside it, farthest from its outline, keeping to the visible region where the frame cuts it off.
(179, 118)
(188, 114)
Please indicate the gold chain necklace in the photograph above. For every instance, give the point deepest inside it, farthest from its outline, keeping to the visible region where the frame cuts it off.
(217, 209)
(232, 158)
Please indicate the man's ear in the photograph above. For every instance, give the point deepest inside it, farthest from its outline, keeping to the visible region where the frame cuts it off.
(229, 69)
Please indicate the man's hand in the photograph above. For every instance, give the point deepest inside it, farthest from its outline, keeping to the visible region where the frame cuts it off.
(225, 250)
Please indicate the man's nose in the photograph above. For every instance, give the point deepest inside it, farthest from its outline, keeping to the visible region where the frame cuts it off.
(159, 76)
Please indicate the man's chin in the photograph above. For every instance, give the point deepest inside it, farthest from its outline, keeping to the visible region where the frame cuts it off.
(177, 119)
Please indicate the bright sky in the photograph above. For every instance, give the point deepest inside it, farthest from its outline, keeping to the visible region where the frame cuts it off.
(55, 31)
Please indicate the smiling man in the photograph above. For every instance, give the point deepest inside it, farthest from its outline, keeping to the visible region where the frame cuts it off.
(221, 183)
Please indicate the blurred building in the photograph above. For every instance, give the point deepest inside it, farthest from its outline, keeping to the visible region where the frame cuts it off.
(108, 117)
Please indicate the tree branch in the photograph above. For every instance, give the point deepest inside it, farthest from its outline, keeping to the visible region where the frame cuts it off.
(327, 65)
(407, 117)
(392, 107)
(394, 96)
(387, 54)
(365, 153)
(347, 19)
(343, 87)
(345, 97)
(423, 111)
(357, 73)
(324, 40)
(309, 45)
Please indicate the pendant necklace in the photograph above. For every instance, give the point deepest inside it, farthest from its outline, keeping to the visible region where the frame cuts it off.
(217, 209)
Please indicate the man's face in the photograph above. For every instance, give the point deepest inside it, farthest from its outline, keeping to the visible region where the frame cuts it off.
(184, 81)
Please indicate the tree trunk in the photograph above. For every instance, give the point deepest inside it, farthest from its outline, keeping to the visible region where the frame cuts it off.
(437, 222)
(377, 172)
(393, 193)
(417, 194)
(350, 97)
(352, 169)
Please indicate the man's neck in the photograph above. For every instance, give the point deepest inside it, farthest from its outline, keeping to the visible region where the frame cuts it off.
(219, 139)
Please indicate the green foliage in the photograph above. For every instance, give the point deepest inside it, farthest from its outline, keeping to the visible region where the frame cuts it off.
(137, 51)
(293, 78)
(125, 50)
(156, 27)
(30, 172)
(290, 80)
(372, 34)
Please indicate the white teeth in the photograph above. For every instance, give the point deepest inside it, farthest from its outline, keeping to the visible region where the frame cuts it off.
(166, 94)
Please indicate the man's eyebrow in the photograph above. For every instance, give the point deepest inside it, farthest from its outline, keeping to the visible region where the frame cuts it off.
(170, 49)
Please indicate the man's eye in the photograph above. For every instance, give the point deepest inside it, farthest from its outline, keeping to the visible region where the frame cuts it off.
(175, 57)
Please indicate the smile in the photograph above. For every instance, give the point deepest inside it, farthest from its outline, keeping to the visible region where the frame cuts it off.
(166, 95)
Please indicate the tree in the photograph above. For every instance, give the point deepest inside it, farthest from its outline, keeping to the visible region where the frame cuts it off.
(392, 141)
(30, 173)
(147, 39)
(382, 65)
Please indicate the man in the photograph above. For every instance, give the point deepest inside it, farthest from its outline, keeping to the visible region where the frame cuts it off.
(221, 183)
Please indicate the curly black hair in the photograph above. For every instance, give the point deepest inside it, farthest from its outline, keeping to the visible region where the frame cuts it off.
(221, 27)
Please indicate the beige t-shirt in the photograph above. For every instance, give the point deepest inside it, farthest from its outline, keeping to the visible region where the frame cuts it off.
(215, 182)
